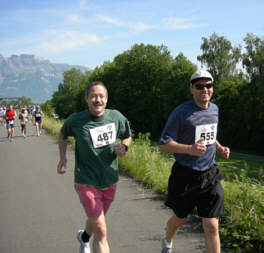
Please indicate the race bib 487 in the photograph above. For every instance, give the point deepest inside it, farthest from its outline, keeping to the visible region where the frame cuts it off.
(206, 132)
(103, 135)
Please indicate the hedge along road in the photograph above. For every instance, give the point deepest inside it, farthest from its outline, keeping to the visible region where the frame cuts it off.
(40, 211)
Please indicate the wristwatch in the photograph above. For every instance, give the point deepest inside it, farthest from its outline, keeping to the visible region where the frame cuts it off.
(126, 147)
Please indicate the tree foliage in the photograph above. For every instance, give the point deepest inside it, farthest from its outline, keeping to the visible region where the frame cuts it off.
(219, 56)
(146, 83)
(23, 101)
(253, 94)
(176, 90)
(239, 94)
(142, 74)
(48, 108)
(65, 99)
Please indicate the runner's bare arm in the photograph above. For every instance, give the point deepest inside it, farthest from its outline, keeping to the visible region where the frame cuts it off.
(197, 149)
(62, 148)
(223, 151)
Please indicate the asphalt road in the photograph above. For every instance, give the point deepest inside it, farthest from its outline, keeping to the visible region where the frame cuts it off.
(40, 211)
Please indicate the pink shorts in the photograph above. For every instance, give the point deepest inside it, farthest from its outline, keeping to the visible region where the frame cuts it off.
(95, 201)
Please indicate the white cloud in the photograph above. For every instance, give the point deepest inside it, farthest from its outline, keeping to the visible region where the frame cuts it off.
(75, 19)
(138, 26)
(142, 27)
(173, 23)
(109, 20)
(169, 23)
(66, 40)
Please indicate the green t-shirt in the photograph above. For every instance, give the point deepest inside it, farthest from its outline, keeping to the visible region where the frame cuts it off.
(95, 161)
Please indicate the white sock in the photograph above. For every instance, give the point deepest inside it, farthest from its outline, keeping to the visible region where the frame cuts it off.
(168, 244)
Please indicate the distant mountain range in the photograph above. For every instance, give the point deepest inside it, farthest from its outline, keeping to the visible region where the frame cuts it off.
(30, 76)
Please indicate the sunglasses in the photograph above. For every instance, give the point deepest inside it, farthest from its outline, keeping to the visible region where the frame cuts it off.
(200, 86)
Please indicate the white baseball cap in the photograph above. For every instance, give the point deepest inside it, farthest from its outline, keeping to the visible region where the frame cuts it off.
(201, 74)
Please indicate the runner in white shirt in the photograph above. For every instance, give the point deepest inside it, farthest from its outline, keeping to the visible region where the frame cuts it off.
(23, 116)
(2, 115)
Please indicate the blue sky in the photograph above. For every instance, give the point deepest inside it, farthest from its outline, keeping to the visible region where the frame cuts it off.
(89, 32)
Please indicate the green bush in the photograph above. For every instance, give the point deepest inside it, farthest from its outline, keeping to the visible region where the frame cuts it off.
(242, 227)
(147, 164)
(47, 108)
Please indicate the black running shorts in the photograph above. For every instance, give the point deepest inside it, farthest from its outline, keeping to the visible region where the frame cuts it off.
(188, 189)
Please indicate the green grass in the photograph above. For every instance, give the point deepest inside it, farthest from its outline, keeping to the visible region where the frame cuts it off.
(53, 127)
(146, 163)
(251, 166)
(242, 227)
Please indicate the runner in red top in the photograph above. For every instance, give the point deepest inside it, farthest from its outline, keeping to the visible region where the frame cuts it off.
(10, 117)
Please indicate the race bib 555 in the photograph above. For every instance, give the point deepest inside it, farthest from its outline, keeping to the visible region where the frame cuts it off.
(206, 132)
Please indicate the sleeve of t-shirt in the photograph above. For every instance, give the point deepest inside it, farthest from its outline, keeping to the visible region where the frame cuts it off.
(124, 128)
(66, 129)
(171, 129)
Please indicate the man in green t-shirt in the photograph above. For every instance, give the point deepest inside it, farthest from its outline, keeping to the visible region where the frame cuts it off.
(96, 168)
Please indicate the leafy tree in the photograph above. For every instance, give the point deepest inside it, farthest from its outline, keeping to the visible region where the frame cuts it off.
(253, 96)
(25, 101)
(65, 100)
(253, 58)
(80, 97)
(145, 83)
(47, 107)
(176, 90)
(228, 99)
(141, 73)
(219, 56)
(109, 75)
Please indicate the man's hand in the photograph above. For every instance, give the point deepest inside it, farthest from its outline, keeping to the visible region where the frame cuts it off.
(62, 164)
(198, 148)
(120, 150)
(223, 151)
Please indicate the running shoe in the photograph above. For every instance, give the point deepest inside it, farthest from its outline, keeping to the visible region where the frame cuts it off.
(84, 246)
(164, 246)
